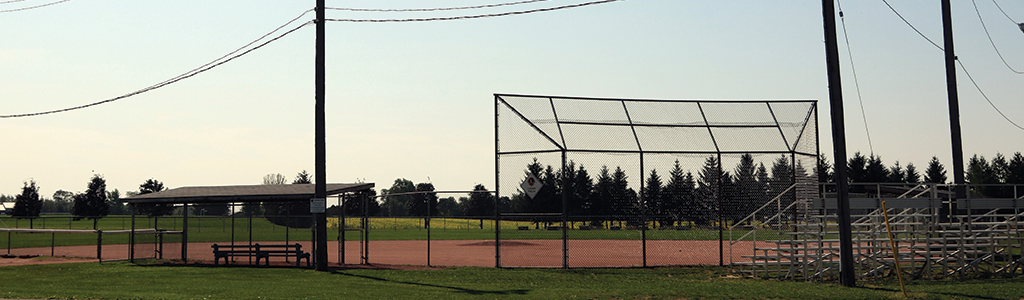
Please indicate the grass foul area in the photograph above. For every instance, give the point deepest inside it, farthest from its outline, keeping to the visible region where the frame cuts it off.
(156, 281)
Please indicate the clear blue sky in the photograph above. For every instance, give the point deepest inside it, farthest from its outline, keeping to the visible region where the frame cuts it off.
(414, 100)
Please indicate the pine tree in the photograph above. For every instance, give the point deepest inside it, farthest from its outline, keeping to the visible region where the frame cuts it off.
(912, 176)
(654, 200)
(601, 203)
(857, 168)
(677, 192)
(896, 173)
(936, 173)
(748, 193)
(876, 171)
(703, 208)
(825, 170)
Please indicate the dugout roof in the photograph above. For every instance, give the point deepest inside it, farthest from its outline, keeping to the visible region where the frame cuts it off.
(245, 193)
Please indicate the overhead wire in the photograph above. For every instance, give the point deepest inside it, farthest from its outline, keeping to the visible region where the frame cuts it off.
(912, 25)
(432, 9)
(1004, 12)
(206, 67)
(10, 1)
(961, 67)
(31, 7)
(465, 17)
(856, 82)
(990, 40)
(986, 96)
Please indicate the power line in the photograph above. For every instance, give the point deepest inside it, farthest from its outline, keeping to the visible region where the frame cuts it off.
(30, 7)
(911, 25)
(856, 82)
(10, 1)
(432, 9)
(986, 96)
(1003, 11)
(473, 16)
(992, 41)
(206, 67)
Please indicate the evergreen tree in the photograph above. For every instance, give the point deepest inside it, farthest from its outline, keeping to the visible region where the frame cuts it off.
(936, 173)
(979, 174)
(825, 170)
(876, 171)
(27, 204)
(624, 199)
(857, 168)
(1015, 171)
(601, 203)
(748, 195)
(654, 200)
(912, 176)
(896, 173)
(580, 187)
(677, 193)
(704, 208)
(92, 204)
(781, 180)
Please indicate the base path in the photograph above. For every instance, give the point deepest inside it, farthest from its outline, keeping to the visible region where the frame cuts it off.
(514, 253)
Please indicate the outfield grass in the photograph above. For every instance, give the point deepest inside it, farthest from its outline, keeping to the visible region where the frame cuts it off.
(219, 229)
(128, 281)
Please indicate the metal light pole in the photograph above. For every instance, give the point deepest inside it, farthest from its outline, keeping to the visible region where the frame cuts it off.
(321, 148)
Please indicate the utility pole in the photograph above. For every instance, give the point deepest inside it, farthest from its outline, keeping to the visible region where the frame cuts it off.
(954, 102)
(835, 95)
(321, 146)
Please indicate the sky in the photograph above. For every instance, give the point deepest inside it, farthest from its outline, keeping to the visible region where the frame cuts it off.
(415, 100)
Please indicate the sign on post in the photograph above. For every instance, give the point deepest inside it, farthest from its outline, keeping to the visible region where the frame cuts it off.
(531, 186)
(318, 205)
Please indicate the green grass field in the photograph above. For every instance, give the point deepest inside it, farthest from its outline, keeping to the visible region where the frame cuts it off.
(219, 229)
(129, 281)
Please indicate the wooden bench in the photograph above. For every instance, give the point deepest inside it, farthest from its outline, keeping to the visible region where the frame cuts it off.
(260, 251)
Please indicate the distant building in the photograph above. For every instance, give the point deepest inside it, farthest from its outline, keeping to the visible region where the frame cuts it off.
(6, 208)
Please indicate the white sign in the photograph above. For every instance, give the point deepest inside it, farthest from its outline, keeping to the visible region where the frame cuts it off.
(531, 186)
(318, 205)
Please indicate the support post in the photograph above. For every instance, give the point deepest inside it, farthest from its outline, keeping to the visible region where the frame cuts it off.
(954, 105)
(321, 148)
(565, 213)
(835, 94)
(184, 232)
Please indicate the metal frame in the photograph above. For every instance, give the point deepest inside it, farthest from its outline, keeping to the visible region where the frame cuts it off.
(562, 148)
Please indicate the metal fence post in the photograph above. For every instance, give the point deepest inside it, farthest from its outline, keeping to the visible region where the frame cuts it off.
(99, 245)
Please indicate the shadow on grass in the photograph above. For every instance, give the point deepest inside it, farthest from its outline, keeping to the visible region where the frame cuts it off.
(911, 291)
(456, 289)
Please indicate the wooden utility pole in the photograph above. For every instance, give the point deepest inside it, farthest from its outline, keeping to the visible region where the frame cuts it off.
(835, 95)
(954, 102)
(321, 146)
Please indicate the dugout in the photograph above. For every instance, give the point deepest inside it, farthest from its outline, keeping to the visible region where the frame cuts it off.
(229, 213)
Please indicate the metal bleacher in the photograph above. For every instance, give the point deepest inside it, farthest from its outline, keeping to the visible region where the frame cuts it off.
(935, 237)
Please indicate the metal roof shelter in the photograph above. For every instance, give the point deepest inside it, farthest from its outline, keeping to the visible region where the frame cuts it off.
(236, 194)
(244, 193)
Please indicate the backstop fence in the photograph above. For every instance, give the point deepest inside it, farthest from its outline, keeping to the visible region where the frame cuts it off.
(647, 174)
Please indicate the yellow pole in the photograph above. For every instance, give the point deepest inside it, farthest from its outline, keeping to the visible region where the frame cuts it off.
(895, 252)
